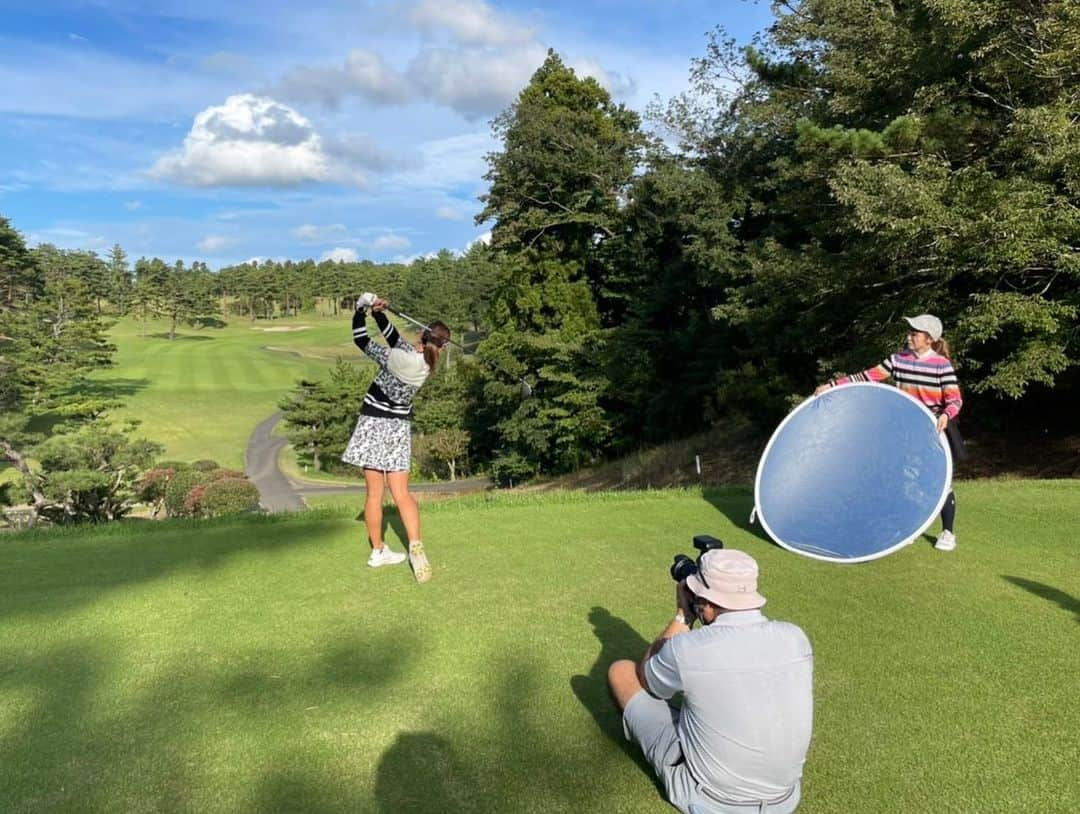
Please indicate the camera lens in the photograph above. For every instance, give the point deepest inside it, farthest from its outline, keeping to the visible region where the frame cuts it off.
(682, 567)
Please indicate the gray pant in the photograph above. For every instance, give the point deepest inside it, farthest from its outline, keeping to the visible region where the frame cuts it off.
(651, 723)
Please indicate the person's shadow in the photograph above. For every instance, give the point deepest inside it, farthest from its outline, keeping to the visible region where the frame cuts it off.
(391, 519)
(617, 641)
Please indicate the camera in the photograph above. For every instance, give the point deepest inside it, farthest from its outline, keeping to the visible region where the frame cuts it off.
(683, 566)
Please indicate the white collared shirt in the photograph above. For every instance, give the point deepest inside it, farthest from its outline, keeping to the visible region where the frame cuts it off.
(748, 702)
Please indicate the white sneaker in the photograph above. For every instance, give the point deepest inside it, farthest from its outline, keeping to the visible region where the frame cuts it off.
(946, 541)
(419, 562)
(384, 556)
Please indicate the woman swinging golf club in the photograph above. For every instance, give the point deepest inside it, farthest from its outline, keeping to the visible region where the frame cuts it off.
(382, 442)
(923, 371)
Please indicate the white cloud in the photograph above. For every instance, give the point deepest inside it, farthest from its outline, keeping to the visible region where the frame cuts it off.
(363, 74)
(484, 239)
(360, 150)
(215, 243)
(476, 82)
(312, 233)
(470, 22)
(390, 242)
(449, 213)
(132, 206)
(340, 255)
(249, 141)
(409, 259)
(615, 83)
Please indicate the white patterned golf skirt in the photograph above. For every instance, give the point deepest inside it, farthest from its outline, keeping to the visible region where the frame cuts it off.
(380, 443)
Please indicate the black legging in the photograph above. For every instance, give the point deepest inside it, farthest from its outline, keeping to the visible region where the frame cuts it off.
(948, 512)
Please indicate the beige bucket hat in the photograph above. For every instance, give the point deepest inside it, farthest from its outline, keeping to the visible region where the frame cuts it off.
(728, 578)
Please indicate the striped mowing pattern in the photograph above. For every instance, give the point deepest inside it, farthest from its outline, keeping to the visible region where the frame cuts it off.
(930, 380)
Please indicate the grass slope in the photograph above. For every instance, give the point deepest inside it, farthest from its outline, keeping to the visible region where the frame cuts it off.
(257, 665)
(202, 394)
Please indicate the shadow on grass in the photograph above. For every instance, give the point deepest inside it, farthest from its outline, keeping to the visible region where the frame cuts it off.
(617, 641)
(66, 572)
(391, 520)
(420, 768)
(736, 505)
(182, 337)
(113, 388)
(82, 737)
(514, 763)
(1067, 601)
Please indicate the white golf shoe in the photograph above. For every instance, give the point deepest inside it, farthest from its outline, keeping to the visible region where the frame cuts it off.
(384, 556)
(419, 562)
(946, 541)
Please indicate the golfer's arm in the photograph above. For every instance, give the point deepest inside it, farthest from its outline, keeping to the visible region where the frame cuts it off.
(389, 332)
(360, 336)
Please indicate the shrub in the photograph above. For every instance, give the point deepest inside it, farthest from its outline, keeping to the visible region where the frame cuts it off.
(228, 496)
(175, 466)
(511, 468)
(151, 489)
(193, 500)
(177, 491)
(206, 465)
(222, 474)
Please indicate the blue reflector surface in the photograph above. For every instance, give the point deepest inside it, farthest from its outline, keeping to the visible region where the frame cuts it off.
(853, 474)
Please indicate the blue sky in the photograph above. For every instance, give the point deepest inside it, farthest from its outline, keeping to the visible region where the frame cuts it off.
(222, 131)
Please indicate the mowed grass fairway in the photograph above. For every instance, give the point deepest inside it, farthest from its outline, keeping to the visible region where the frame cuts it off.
(257, 665)
(202, 393)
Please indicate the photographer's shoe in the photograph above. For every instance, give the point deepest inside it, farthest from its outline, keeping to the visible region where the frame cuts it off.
(946, 541)
(384, 556)
(418, 561)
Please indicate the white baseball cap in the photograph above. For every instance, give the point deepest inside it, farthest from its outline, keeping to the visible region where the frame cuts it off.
(928, 324)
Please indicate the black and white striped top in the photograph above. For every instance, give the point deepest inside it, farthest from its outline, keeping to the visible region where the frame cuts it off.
(388, 396)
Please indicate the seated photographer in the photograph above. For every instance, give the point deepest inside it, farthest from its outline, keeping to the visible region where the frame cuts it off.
(739, 742)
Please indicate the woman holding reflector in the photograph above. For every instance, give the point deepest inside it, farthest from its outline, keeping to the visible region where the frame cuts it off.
(924, 372)
(382, 440)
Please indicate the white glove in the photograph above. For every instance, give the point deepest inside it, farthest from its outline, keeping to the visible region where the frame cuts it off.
(367, 299)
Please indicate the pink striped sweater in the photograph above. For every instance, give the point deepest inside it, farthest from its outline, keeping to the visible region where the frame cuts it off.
(930, 379)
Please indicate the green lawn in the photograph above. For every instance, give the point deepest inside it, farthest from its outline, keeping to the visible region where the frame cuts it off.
(203, 393)
(257, 665)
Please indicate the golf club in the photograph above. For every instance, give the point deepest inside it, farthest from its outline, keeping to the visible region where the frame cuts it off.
(526, 388)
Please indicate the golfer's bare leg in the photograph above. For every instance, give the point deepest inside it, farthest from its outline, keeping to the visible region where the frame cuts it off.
(406, 503)
(623, 679)
(374, 479)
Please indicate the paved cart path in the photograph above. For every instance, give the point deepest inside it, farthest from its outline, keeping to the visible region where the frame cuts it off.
(280, 493)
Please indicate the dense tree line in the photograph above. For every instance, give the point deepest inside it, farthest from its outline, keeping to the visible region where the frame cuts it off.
(857, 163)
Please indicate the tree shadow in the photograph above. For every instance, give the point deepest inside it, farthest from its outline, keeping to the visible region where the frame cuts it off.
(79, 741)
(1066, 601)
(422, 767)
(113, 388)
(182, 337)
(70, 572)
(617, 641)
